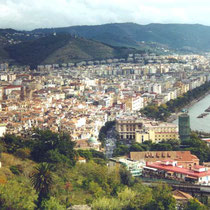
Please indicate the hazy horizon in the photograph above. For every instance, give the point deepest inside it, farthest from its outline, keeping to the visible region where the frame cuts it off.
(29, 15)
(103, 24)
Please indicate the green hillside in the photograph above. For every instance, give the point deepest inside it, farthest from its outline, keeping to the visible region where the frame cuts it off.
(62, 48)
(80, 49)
(100, 42)
(44, 173)
(3, 53)
(36, 51)
(176, 36)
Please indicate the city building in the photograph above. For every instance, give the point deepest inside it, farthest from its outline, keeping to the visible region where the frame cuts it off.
(135, 167)
(126, 127)
(169, 169)
(157, 131)
(183, 158)
(137, 129)
(3, 129)
(91, 143)
(184, 127)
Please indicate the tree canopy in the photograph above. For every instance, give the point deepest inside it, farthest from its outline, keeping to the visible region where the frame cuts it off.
(164, 111)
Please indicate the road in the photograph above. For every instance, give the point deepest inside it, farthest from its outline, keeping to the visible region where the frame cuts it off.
(110, 144)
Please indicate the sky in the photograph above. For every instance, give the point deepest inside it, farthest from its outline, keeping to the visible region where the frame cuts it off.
(31, 14)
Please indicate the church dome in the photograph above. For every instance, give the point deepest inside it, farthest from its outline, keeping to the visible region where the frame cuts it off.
(92, 140)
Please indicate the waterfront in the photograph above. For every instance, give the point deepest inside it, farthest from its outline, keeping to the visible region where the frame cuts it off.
(199, 124)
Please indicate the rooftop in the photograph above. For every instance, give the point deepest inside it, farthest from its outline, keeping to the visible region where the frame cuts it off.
(160, 166)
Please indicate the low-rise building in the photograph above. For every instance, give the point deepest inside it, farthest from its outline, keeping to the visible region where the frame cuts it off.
(138, 129)
(169, 169)
(134, 103)
(3, 129)
(91, 143)
(127, 126)
(183, 158)
(162, 130)
(135, 167)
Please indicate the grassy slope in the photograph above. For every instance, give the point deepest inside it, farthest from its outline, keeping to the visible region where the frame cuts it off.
(62, 48)
(9, 160)
(36, 51)
(74, 177)
(80, 49)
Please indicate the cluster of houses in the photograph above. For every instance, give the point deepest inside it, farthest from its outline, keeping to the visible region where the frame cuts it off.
(81, 99)
(179, 166)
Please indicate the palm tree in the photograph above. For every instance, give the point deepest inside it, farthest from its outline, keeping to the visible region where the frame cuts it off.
(42, 180)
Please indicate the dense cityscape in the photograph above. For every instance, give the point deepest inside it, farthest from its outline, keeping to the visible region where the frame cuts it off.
(81, 99)
(101, 104)
(104, 105)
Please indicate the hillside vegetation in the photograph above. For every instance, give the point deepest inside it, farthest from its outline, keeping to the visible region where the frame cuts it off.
(36, 51)
(80, 49)
(100, 42)
(42, 172)
(3, 53)
(62, 48)
(177, 36)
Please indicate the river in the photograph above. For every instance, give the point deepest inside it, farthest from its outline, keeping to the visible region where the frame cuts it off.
(199, 124)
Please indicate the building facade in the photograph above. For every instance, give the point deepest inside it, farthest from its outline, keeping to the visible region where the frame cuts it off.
(169, 169)
(184, 127)
(140, 130)
(183, 158)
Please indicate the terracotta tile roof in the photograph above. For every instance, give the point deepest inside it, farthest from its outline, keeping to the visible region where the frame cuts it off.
(160, 166)
(181, 156)
(81, 158)
(12, 86)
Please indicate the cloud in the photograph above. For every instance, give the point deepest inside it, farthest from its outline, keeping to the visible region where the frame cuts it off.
(30, 14)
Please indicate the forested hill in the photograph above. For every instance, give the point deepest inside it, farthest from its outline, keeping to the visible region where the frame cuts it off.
(42, 171)
(177, 36)
(62, 48)
(84, 43)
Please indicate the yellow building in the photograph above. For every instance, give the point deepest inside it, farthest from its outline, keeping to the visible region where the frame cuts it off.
(140, 130)
(162, 131)
(142, 135)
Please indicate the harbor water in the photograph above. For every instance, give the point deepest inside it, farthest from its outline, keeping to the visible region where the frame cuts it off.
(199, 124)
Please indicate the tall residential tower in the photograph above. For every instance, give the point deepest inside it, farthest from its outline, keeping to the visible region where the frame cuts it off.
(184, 127)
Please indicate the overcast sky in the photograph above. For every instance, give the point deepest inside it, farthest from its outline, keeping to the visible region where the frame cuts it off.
(30, 14)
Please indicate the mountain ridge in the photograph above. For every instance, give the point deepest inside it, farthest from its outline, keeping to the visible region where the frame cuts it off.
(62, 48)
(195, 36)
(40, 46)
